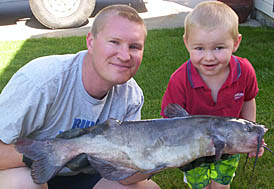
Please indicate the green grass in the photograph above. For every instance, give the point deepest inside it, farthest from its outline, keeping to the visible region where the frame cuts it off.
(164, 53)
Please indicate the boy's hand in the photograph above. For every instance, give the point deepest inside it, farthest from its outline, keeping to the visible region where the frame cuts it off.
(261, 151)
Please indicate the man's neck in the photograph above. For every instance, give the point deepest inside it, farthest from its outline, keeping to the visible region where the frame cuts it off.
(94, 85)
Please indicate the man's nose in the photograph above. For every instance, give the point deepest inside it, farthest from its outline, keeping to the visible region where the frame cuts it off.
(124, 53)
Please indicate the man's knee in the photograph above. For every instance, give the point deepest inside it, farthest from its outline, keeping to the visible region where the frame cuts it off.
(18, 178)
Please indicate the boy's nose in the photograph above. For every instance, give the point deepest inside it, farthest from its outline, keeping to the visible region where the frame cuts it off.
(124, 53)
(209, 55)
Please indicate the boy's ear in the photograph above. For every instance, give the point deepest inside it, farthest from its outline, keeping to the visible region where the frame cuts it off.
(89, 41)
(237, 43)
(185, 41)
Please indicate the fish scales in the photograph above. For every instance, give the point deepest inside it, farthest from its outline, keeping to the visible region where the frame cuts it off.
(119, 150)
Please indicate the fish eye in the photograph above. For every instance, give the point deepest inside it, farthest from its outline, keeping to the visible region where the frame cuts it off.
(247, 128)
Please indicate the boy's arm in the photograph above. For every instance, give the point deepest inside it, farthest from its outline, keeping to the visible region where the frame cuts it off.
(249, 112)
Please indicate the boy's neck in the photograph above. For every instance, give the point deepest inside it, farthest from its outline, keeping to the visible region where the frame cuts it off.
(216, 82)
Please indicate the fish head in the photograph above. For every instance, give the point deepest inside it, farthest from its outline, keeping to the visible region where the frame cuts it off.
(243, 136)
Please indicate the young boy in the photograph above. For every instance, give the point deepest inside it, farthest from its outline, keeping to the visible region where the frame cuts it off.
(213, 82)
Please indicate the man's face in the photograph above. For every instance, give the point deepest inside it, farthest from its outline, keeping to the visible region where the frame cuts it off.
(117, 50)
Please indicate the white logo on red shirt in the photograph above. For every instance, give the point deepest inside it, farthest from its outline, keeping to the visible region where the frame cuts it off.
(238, 95)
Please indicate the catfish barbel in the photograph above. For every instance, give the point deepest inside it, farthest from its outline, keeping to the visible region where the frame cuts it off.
(119, 150)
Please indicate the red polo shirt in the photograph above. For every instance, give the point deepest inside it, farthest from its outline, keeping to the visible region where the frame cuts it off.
(187, 88)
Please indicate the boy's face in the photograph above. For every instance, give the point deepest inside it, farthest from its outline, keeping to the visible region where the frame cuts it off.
(117, 50)
(210, 50)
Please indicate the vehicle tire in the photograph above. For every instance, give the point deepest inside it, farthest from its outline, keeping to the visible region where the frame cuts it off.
(58, 14)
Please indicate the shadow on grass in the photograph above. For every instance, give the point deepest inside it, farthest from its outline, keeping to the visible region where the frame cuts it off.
(33, 48)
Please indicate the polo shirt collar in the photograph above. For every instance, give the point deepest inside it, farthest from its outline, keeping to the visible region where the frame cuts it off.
(196, 80)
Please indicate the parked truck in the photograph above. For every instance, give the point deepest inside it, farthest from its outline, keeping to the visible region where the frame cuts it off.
(58, 14)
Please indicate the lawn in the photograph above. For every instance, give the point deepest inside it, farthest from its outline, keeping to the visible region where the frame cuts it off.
(164, 53)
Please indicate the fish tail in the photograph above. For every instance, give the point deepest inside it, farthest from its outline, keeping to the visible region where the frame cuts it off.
(43, 168)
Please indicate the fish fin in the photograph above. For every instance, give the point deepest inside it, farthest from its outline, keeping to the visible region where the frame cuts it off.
(150, 176)
(39, 151)
(73, 133)
(111, 122)
(98, 129)
(109, 170)
(175, 110)
(155, 170)
(219, 146)
(78, 162)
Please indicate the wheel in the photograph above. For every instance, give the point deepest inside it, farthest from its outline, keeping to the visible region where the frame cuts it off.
(58, 14)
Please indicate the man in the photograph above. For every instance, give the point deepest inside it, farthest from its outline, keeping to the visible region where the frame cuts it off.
(56, 93)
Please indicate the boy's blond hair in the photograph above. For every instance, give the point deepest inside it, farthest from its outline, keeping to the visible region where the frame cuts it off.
(124, 11)
(212, 14)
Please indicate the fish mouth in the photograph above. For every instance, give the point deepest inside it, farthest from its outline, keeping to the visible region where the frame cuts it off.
(260, 140)
(260, 143)
(261, 131)
(265, 129)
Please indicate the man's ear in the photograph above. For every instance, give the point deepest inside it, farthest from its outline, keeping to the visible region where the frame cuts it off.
(89, 40)
(237, 43)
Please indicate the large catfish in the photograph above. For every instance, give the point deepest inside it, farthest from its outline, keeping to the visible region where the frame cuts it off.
(119, 150)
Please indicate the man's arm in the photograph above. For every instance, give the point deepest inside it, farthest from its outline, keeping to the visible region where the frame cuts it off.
(9, 157)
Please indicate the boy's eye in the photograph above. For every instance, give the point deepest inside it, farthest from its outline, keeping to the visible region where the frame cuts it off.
(219, 48)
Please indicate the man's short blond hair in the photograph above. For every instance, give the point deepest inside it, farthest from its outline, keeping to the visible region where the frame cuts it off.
(212, 14)
(124, 11)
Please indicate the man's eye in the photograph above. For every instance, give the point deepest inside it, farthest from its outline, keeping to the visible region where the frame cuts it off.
(199, 48)
(114, 42)
(134, 47)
